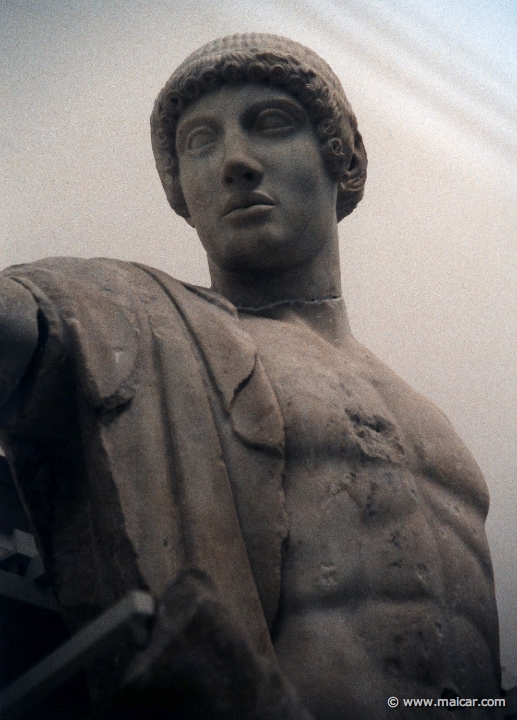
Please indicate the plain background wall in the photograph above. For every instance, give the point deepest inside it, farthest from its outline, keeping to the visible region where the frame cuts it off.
(429, 258)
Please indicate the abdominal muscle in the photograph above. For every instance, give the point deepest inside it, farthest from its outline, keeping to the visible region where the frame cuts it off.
(362, 609)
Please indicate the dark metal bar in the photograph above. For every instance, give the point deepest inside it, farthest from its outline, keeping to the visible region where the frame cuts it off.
(133, 612)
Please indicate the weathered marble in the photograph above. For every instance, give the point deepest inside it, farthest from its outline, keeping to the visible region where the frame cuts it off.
(312, 528)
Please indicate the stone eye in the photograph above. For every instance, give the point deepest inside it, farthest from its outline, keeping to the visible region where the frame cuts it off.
(199, 138)
(273, 119)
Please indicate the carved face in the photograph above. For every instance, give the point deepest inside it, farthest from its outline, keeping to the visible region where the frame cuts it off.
(254, 180)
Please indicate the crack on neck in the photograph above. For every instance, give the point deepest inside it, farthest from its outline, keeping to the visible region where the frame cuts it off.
(280, 303)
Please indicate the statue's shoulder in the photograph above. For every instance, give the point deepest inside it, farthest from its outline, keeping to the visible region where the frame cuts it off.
(431, 442)
(397, 393)
(67, 278)
(103, 313)
(187, 291)
(72, 273)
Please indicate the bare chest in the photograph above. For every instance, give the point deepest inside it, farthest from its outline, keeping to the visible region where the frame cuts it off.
(378, 487)
(329, 410)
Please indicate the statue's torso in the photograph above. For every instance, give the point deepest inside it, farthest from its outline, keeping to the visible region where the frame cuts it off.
(386, 580)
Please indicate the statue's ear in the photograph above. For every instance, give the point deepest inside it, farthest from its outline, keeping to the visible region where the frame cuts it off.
(354, 177)
(350, 187)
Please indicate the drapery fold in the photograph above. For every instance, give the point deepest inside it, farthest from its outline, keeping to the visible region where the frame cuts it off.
(146, 438)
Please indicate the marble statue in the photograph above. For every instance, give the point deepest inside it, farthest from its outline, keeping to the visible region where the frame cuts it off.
(311, 528)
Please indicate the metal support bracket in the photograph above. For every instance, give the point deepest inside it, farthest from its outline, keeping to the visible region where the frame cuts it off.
(133, 612)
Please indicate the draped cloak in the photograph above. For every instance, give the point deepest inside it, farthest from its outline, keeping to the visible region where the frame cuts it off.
(145, 437)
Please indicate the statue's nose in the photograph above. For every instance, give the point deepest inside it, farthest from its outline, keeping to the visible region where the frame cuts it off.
(240, 165)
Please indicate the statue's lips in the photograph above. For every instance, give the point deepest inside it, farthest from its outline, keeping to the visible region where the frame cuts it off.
(255, 200)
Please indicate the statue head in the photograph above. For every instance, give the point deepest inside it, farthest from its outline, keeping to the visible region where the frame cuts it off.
(273, 60)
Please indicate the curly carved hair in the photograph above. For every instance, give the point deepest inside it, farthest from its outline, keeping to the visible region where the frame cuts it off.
(274, 60)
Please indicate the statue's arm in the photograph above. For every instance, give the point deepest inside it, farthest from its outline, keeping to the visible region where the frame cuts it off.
(196, 646)
(18, 334)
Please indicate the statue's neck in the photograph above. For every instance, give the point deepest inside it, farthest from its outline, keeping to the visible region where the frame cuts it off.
(316, 278)
(327, 318)
(309, 292)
